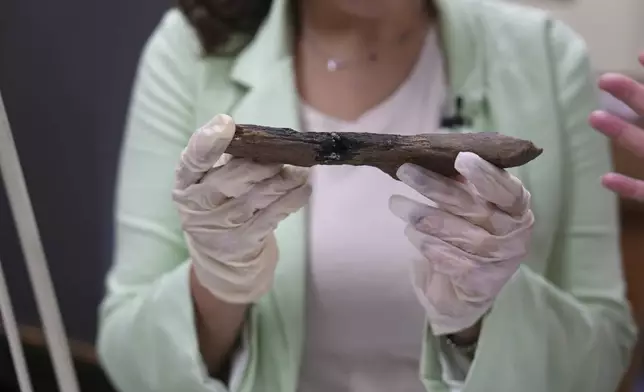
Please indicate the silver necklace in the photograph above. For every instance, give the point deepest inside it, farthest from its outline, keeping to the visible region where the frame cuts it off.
(334, 63)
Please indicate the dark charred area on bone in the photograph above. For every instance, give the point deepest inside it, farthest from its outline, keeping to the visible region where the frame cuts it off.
(336, 148)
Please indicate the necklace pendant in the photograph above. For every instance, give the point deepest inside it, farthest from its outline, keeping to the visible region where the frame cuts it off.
(332, 65)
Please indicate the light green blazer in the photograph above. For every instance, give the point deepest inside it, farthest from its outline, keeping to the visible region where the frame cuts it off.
(561, 324)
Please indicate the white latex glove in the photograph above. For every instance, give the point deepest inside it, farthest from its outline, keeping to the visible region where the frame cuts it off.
(472, 240)
(229, 208)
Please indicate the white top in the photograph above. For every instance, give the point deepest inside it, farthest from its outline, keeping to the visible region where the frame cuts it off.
(364, 323)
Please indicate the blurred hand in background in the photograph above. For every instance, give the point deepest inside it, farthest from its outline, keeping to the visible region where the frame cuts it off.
(625, 133)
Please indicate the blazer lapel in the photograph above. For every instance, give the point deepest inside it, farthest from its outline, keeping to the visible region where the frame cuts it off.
(464, 60)
(265, 70)
(466, 76)
(274, 102)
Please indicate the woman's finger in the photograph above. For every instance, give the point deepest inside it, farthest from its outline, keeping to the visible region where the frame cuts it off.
(437, 222)
(494, 185)
(258, 196)
(204, 149)
(626, 187)
(625, 89)
(451, 194)
(625, 134)
(238, 176)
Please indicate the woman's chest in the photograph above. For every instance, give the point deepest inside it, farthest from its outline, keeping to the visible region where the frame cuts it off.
(359, 291)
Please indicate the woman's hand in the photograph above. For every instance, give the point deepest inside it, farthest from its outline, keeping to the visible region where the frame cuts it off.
(229, 209)
(473, 239)
(625, 134)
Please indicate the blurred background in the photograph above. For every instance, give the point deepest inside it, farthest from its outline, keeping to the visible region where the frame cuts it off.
(65, 74)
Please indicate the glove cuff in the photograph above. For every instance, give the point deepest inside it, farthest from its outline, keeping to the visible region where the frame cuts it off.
(446, 325)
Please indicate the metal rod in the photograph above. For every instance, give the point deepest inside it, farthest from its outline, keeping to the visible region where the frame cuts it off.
(13, 336)
(35, 259)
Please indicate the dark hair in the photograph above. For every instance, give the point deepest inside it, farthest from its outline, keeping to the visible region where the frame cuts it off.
(217, 22)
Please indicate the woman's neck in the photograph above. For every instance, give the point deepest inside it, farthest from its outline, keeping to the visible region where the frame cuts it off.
(349, 57)
(348, 24)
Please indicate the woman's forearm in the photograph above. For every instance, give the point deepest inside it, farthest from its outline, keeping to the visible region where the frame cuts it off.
(219, 326)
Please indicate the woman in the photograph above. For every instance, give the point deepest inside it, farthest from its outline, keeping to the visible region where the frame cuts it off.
(201, 300)
(624, 132)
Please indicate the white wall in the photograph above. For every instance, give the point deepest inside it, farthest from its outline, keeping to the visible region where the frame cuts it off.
(614, 29)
